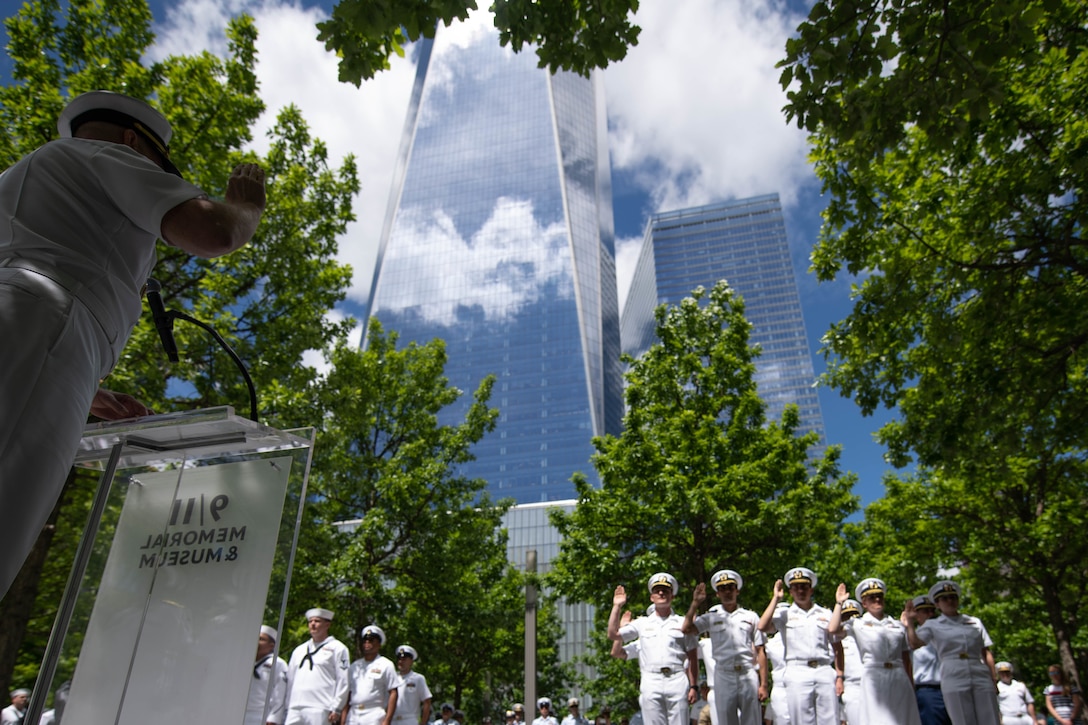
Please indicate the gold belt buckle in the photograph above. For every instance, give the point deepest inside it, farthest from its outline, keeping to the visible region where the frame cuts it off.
(889, 665)
(964, 656)
(667, 671)
(738, 668)
(813, 663)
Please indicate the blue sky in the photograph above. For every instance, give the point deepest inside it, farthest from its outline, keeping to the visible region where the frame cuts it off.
(694, 117)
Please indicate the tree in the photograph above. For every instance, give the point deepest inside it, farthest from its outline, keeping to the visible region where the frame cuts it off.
(269, 300)
(394, 535)
(572, 35)
(699, 479)
(948, 141)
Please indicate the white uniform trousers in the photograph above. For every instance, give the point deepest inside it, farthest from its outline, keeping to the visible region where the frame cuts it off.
(1021, 719)
(307, 716)
(52, 354)
(365, 715)
(664, 698)
(737, 690)
(851, 701)
(968, 691)
(810, 694)
(778, 709)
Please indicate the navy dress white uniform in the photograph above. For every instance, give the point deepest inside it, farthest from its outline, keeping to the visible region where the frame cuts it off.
(373, 684)
(573, 716)
(887, 689)
(962, 645)
(927, 671)
(413, 696)
(666, 659)
(851, 670)
(77, 242)
(810, 676)
(544, 707)
(269, 671)
(735, 640)
(1015, 702)
(317, 678)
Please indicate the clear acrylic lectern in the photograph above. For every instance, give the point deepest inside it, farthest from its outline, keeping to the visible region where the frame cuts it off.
(188, 550)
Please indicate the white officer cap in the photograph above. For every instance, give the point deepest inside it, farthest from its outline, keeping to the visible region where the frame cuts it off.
(542, 701)
(922, 601)
(374, 630)
(1003, 666)
(726, 576)
(266, 630)
(319, 612)
(407, 651)
(664, 579)
(123, 110)
(447, 706)
(20, 691)
(944, 588)
(572, 702)
(869, 586)
(850, 606)
(518, 707)
(800, 575)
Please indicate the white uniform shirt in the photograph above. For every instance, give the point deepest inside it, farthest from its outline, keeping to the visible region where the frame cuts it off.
(733, 636)
(851, 661)
(411, 695)
(1013, 698)
(662, 642)
(955, 638)
(880, 641)
(268, 669)
(317, 676)
(804, 634)
(371, 682)
(550, 720)
(107, 205)
(571, 720)
(927, 666)
(10, 715)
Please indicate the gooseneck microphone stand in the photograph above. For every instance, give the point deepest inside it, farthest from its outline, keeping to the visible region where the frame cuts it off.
(164, 322)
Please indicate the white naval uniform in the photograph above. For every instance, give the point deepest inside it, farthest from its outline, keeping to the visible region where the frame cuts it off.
(966, 681)
(733, 638)
(411, 695)
(778, 710)
(663, 661)
(84, 215)
(707, 656)
(317, 682)
(851, 682)
(1013, 700)
(887, 693)
(571, 720)
(370, 684)
(550, 720)
(810, 677)
(267, 670)
(10, 715)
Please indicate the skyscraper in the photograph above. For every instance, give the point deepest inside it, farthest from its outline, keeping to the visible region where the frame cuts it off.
(744, 243)
(499, 240)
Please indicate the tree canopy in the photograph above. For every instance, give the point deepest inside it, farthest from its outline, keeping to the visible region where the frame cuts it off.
(699, 479)
(573, 35)
(950, 144)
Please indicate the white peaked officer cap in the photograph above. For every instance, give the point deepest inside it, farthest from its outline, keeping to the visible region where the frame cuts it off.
(21, 691)
(572, 702)
(376, 631)
(319, 612)
(801, 575)
(1003, 666)
(943, 589)
(409, 651)
(541, 702)
(663, 579)
(850, 606)
(266, 630)
(922, 601)
(726, 576)
(122, 110)
(869, 586)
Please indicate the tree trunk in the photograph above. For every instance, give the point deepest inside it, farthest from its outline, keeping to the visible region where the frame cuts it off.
(1063, 632)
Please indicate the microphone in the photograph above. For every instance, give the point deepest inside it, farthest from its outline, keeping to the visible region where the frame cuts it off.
(164, 321)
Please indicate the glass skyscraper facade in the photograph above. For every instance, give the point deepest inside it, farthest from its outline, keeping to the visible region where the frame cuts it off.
(499, 240)
(743, 242)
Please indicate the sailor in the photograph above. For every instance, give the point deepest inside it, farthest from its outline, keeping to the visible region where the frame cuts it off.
(667, 657)
(544, 707)
(373, 683)
(927, 668)
(1013, 698)
(414, 697)
(268, 670)
(317, 675)
(851, 669)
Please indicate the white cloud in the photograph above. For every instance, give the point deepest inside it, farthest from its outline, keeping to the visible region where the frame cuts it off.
(627, 251)
(695, 109)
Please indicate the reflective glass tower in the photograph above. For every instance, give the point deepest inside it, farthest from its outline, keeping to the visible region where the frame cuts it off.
(499, 240)
(744, 243)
